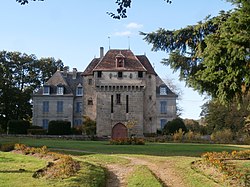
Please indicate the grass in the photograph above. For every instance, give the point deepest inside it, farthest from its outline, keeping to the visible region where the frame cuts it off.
(142, 176)
(156, 149)
(17, 170)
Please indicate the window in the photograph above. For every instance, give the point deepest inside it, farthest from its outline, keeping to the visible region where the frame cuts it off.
(163, 91)
(119, 74)
(59, 90)
(120, 62)
(45, 123)
(79, 91)
(99, 74)
(90, 81)
(46, 90)
(112, 104)
(118, 98)
(45, 106)
(140, 74)
(163, 107)
(59, 106)
(127, 103)
(150, 97)
(77, 122)
(78, 107)
(90, 101)
(163, 122)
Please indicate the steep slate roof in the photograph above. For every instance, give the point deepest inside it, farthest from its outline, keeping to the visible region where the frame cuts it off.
(67, 82)
(131, 62)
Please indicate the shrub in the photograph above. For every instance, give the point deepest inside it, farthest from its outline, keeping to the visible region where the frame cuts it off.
(7, 147)
(127, 141)
(18, 126)
(89, 126)
(37, 131)
(178, 136)
(223, 136)
(59, 128)
(173, 126)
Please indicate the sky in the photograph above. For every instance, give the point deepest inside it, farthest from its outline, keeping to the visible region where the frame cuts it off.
(74, 31)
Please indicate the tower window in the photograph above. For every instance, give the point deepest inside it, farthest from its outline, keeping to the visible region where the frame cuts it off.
(99, 74)
(118, 98)
(140, 74)
(119, 74)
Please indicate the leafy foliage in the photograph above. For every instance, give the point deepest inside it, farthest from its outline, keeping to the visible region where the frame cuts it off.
(21, 74)
(211, 56)
(18, 126)
(89, 126)
(59, 128)
(23, 2)
(173, 126)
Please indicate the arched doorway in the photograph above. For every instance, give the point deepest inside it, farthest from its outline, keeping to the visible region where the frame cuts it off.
(119, 131)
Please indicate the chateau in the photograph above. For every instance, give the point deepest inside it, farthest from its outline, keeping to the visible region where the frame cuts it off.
(116, 90)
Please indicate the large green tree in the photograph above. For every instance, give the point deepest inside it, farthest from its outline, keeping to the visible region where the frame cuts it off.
(20, 75)
(212, 56)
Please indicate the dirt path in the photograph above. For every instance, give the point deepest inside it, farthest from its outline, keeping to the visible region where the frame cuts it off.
(164, 171)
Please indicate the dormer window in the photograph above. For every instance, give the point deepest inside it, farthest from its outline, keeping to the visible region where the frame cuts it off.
(163, 91)
(79, 90)
(120, 60)
(46, 90)
(60, 90)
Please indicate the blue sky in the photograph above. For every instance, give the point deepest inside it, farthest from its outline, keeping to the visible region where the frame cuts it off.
(74, 30)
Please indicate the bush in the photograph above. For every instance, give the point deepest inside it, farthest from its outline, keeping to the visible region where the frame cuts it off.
(89, 126)
(37, 131)
(173, 126)
(178, 136)
(223, 136)
(7, 147)
(59, 128)
(127, 141)
(18, 126)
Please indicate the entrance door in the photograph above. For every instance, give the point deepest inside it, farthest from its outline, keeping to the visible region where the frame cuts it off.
(119, 131)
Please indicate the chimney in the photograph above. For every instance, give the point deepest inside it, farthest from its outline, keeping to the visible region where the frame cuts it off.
(65, 71)
(101, 52)
(74, 73)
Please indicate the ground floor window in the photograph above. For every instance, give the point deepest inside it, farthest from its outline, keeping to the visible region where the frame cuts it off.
(45, 123)
(77, 122)
(163, 122)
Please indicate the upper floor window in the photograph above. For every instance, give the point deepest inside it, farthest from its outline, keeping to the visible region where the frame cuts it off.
(119, 74)
(163, 91)
(79, 91)
(120, 60)
(90, 101)
(118, 98)
(78, 107)
(59, 106)
(45, 106)
(99, 74)
(90, 81)
(140, 74)
(163, 107)
(60, 90)
(46, 90)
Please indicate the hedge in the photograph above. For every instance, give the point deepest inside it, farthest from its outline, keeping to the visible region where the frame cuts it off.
(59, 128)
(18, 126)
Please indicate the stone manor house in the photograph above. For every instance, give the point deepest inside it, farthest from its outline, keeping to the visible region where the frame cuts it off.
(114, 90)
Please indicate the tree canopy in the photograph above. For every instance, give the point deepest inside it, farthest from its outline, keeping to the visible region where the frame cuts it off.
(21, 74)
(212, 56)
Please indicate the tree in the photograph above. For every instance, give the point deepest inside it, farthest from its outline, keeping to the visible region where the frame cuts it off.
(89, 126)
(21, 74)
(123, 5)
(219, 116)
(211, 56)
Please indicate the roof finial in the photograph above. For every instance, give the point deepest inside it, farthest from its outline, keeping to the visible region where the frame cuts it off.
(128, 42)
(109, 42)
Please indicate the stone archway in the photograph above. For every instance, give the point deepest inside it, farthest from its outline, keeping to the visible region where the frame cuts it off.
(119, 131)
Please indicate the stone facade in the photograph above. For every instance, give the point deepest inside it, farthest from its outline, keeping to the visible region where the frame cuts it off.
(116, 90)
(59, 99)
(120, 88)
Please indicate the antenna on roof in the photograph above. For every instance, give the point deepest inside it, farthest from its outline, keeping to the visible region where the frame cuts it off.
(128, 42)
(109, 42)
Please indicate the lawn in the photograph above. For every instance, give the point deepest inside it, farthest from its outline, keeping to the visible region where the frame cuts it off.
(95, 155)
(155, 149)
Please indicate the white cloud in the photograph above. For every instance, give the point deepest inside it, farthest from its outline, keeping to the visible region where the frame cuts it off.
(134, 25)
(124, 33)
